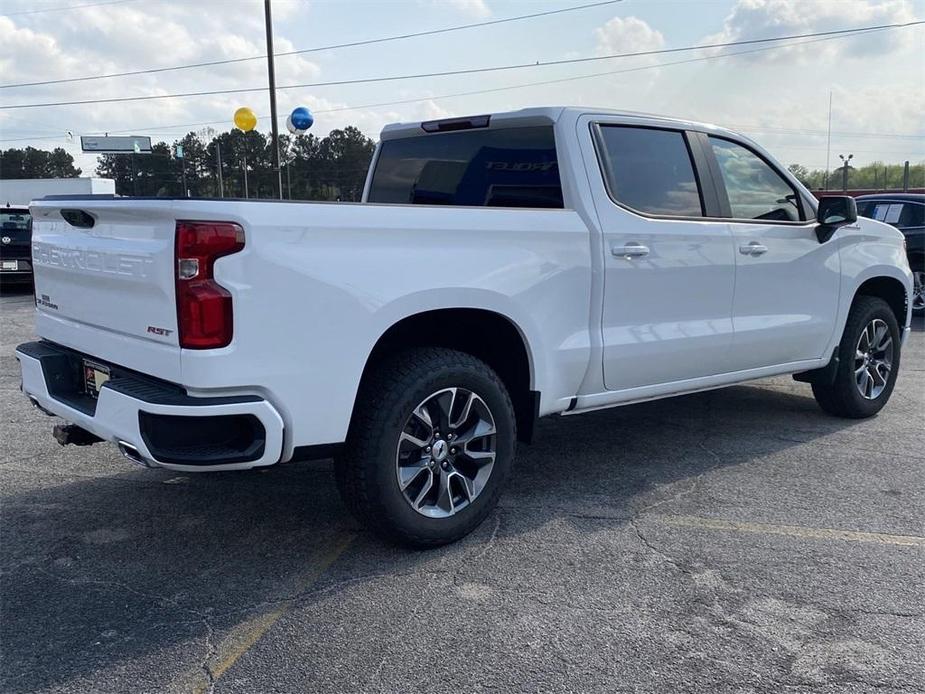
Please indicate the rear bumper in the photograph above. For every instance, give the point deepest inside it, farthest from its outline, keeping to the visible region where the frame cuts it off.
(156, 421)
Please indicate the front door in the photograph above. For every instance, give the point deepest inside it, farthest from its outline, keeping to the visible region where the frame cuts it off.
(787, 281)
(668, 272)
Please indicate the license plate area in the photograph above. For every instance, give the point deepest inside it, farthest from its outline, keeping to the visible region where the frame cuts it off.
(10, 265)
(94, 376)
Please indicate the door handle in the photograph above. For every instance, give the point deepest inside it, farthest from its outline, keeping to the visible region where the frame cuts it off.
(630, 250)
(753, 248)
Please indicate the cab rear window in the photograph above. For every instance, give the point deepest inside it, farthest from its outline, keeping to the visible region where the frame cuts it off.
(504, 167)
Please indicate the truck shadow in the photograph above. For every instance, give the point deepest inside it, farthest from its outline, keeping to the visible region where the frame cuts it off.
(99, 574)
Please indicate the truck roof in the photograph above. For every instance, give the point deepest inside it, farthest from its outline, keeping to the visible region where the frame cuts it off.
(541, 115)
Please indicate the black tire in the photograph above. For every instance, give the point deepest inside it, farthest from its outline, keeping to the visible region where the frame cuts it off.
(366, 470)
(842, 397)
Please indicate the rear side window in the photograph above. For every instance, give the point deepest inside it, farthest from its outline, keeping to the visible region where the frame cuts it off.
(755, 190)
(650, 170)
(506, 167)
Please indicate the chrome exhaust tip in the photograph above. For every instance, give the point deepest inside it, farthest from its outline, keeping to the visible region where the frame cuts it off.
(131, 453)
(36, 405)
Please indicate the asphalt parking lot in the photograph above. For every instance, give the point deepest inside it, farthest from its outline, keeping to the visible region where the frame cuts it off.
(733, 541)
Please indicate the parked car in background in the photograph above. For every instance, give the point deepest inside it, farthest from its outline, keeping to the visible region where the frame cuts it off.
(906, 212)
(16, 223)
(15, 245)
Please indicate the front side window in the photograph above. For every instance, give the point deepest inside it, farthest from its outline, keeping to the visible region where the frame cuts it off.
(866, 209)
(755, 190)
(504, 167)
(893, 212)
(650, 170)
(880, 211)
(913, 215)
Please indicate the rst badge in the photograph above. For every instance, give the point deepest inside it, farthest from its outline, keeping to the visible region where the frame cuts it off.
(164, 332)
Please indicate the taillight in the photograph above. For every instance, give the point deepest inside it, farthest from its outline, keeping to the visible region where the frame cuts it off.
(204, 311)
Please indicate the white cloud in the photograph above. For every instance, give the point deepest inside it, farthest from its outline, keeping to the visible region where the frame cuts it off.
(120, 38)
(629, 35)
(472, 8)
(430, 110)
(878, 93)
(751, 19)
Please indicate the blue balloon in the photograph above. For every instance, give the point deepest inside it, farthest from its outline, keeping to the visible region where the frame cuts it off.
(302, 118)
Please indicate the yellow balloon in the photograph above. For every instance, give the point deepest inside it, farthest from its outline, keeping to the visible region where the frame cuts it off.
(245, 119)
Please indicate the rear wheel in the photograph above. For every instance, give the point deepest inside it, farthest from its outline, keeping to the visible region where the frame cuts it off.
(429, 449)
(868, 362)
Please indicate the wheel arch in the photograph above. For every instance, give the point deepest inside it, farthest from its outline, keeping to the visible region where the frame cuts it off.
(465, 329)
(891, 290)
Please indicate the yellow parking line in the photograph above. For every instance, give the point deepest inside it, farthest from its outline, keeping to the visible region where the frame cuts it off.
(242, 637)
(800, 531)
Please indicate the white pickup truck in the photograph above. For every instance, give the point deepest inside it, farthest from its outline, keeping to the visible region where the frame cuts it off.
(500, 268)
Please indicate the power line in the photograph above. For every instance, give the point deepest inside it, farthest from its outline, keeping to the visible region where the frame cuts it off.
(467, 71)
(841, 133)
(402, 102)
(790, 131)
(65, 8)
(352, 44)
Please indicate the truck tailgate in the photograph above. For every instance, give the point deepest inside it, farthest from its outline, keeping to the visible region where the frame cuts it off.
(108, 290)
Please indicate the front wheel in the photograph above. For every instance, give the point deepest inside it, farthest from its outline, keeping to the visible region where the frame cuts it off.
(868, 362)
(429, 448)
(918, 291)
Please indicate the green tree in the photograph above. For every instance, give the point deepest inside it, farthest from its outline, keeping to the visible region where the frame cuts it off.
(37, 163)
(801, 173)
(874, 176)
(154, 174)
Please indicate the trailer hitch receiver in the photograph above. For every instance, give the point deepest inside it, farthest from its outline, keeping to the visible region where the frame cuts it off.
(72, 434)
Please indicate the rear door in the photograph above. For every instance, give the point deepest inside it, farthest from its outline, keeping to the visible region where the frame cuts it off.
(787, 282)
(669, 271)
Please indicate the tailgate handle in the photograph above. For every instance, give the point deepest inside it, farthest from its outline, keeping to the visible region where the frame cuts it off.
(78, 218)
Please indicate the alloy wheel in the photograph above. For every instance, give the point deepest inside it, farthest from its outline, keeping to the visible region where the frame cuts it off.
(446, 452)
(918, 290)
(873, 359)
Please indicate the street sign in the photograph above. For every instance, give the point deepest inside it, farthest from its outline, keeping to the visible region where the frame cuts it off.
(179, 151)
(127, 144)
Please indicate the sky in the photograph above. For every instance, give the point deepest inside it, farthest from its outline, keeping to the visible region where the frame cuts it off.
(778, 97)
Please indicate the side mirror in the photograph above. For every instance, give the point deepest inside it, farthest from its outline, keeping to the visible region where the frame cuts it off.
(834, 211)
(837, 210)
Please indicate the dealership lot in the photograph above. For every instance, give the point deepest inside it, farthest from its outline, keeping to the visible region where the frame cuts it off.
(738, 541)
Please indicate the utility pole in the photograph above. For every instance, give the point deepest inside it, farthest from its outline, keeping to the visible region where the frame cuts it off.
(218, 166)
(828, 146)
(844, 171)
(906, 177)
(245, 177)
(271, 71)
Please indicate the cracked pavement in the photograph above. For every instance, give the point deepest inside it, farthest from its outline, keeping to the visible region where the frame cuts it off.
(732, 541)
